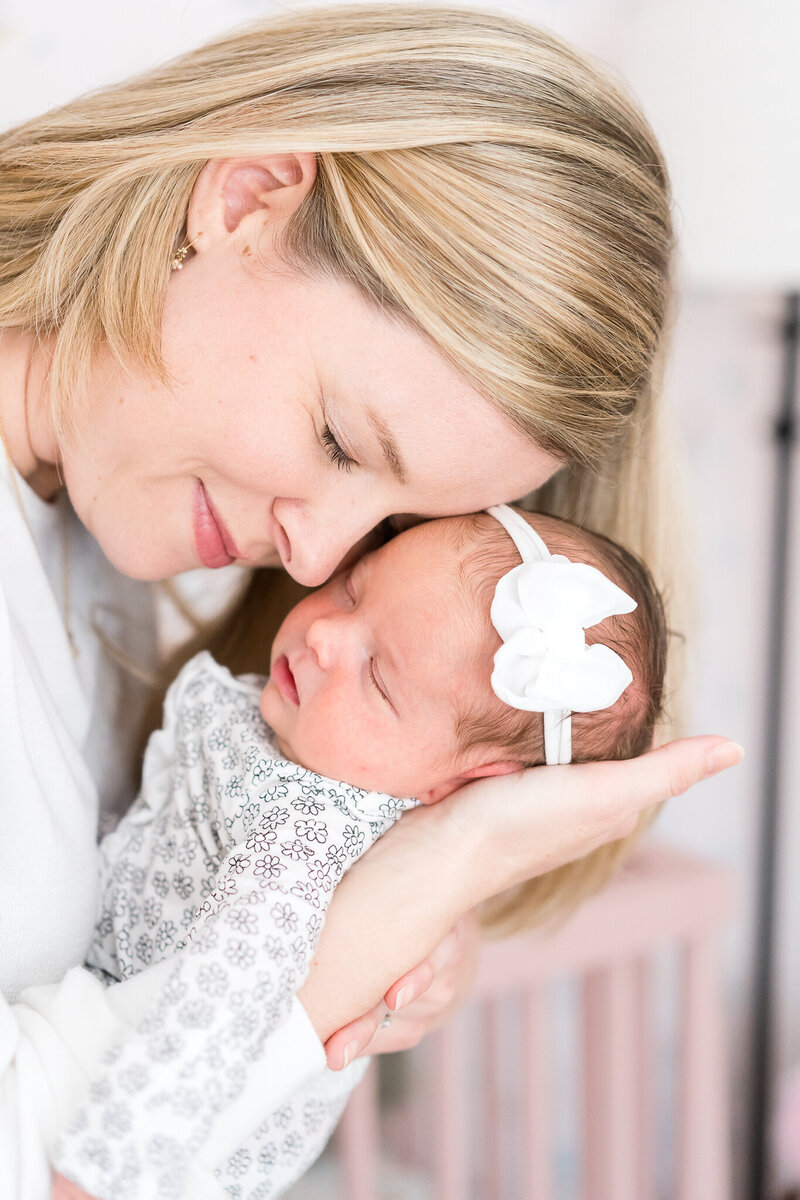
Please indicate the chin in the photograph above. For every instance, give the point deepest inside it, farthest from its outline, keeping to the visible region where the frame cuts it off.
(268, 709)
(144, 568)
(145, 561)
(271, 708)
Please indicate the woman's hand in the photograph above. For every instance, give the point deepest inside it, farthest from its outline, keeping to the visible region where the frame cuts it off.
(398, 902)
(419, 1002)
(531, 823)
(64, 1189)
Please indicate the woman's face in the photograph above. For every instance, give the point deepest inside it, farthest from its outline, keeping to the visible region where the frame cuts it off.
(297, 417)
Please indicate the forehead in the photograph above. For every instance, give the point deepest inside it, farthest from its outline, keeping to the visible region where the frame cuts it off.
(434, 619)
(425, 557)
(460, 452)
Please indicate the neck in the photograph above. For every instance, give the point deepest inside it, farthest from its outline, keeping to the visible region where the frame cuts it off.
(25, 414)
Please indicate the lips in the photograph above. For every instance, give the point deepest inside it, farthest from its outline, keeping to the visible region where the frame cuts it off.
(215, 546)
(284, 680)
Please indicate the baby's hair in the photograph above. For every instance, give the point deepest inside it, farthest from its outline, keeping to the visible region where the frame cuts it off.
(624, 730)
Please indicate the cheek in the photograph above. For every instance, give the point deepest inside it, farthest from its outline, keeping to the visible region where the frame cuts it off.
(330, 722)
(343, 736)
(262, 435)
(235, 344)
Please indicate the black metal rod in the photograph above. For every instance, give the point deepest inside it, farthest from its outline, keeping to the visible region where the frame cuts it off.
(763, 1042)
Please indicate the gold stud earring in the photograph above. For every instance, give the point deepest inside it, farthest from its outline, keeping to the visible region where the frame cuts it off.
(176, 262)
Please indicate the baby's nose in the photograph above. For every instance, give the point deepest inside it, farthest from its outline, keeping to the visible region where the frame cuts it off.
(324, 638)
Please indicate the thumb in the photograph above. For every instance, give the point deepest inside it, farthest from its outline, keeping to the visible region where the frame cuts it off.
(551, 815)
(669, 770)
(622, 790)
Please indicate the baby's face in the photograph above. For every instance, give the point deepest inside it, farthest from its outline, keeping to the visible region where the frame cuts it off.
(367, 673)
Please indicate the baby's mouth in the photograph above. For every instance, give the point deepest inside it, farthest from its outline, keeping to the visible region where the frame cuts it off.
(284, 680)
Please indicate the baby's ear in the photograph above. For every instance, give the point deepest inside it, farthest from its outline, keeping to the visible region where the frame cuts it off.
(482, 771)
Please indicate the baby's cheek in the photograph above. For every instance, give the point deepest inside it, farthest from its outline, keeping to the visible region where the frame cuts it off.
(350, 746)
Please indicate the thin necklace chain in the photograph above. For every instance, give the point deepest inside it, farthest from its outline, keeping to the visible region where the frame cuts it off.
(66, 591)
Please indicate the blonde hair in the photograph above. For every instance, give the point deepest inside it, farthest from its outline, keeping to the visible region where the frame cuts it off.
(478, 177)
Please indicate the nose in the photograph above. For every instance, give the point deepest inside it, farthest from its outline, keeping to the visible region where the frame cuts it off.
(314, 565)
(316, 535)
(330, 641)
(315, 544)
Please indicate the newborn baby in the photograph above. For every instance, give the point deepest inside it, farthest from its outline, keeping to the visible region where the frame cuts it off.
(435, 660)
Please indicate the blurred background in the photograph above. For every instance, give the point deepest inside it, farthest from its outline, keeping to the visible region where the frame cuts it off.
(719, 82)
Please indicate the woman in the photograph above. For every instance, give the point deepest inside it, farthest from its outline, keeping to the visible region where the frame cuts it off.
(351, 264)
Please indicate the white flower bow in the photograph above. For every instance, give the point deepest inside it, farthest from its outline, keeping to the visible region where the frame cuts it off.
(540, 610)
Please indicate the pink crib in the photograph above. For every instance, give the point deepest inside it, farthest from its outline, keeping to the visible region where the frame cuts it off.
(662, 900)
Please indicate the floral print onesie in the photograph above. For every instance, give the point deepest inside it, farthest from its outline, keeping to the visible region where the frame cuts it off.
(221, 871)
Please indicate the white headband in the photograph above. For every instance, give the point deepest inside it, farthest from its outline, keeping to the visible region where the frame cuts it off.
(540, 609)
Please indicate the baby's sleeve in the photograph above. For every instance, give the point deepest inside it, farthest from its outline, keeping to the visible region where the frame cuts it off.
(202, 1062)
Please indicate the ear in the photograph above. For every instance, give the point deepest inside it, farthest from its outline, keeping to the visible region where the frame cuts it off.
(483, 771)
(229, 190)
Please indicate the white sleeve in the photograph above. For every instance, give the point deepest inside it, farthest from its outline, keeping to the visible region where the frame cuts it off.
(214, 1039)
(52, 1046)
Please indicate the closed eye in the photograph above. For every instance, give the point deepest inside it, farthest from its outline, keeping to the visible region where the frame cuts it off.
(376, 684)
(334, 451)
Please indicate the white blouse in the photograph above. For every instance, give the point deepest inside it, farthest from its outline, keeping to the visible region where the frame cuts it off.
(67, 729)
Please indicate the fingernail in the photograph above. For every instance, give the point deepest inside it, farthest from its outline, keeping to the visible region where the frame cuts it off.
(404, 997)
(726, 755)
(350, 1051)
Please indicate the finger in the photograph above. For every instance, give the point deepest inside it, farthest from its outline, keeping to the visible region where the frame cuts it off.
(351, 1040)
(416, 982)
(626, 788)
(403, 1034)
(689, 760)
(452, 963)
(410, 986)
(672, 769)
(65, 1189)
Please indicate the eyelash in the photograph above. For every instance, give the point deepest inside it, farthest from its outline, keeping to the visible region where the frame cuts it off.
(348, 587)
(375, 683)
(335, 452)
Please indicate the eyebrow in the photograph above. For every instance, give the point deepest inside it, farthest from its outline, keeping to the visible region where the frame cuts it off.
(389, 446)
